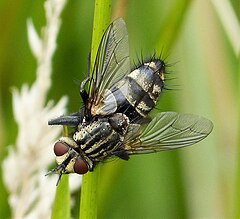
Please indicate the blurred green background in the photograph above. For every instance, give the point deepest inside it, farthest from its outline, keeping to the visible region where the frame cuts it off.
(195, 182)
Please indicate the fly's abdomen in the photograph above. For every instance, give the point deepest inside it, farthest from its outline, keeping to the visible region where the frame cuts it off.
(137, 93)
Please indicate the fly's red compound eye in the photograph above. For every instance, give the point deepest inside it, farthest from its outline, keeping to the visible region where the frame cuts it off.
(60, 148)
(80, 166)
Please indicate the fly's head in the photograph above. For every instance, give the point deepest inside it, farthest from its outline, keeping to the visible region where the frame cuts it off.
(68, 159)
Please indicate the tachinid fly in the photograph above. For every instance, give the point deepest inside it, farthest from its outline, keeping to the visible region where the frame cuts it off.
(114, 120)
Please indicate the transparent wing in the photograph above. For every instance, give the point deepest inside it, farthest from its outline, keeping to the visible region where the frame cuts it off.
(112, 61)
(170, 130)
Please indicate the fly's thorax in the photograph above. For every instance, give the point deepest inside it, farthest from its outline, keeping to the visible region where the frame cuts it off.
(119, 122)
(100, 137)
(91, 132)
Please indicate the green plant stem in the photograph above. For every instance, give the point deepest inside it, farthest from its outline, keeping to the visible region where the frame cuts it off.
(102, 16)
(61, 206)
(89, 193)
(237, 197)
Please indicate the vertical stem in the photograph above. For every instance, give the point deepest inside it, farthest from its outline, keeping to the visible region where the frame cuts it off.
(237, 209)
(89, 193)
(102, 16)
(62, 198)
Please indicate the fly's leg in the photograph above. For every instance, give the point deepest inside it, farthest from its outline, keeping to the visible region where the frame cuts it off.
(83, 91)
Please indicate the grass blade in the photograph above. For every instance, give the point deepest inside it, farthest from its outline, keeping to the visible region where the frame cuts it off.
(61, 207)
(89, 193)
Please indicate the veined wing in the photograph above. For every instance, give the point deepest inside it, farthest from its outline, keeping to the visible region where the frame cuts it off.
(170, 130)
(112, 60)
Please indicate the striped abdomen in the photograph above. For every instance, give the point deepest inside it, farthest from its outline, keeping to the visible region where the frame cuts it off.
(136, 94)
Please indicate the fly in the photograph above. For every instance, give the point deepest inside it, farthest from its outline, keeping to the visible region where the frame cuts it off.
(115, 118)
